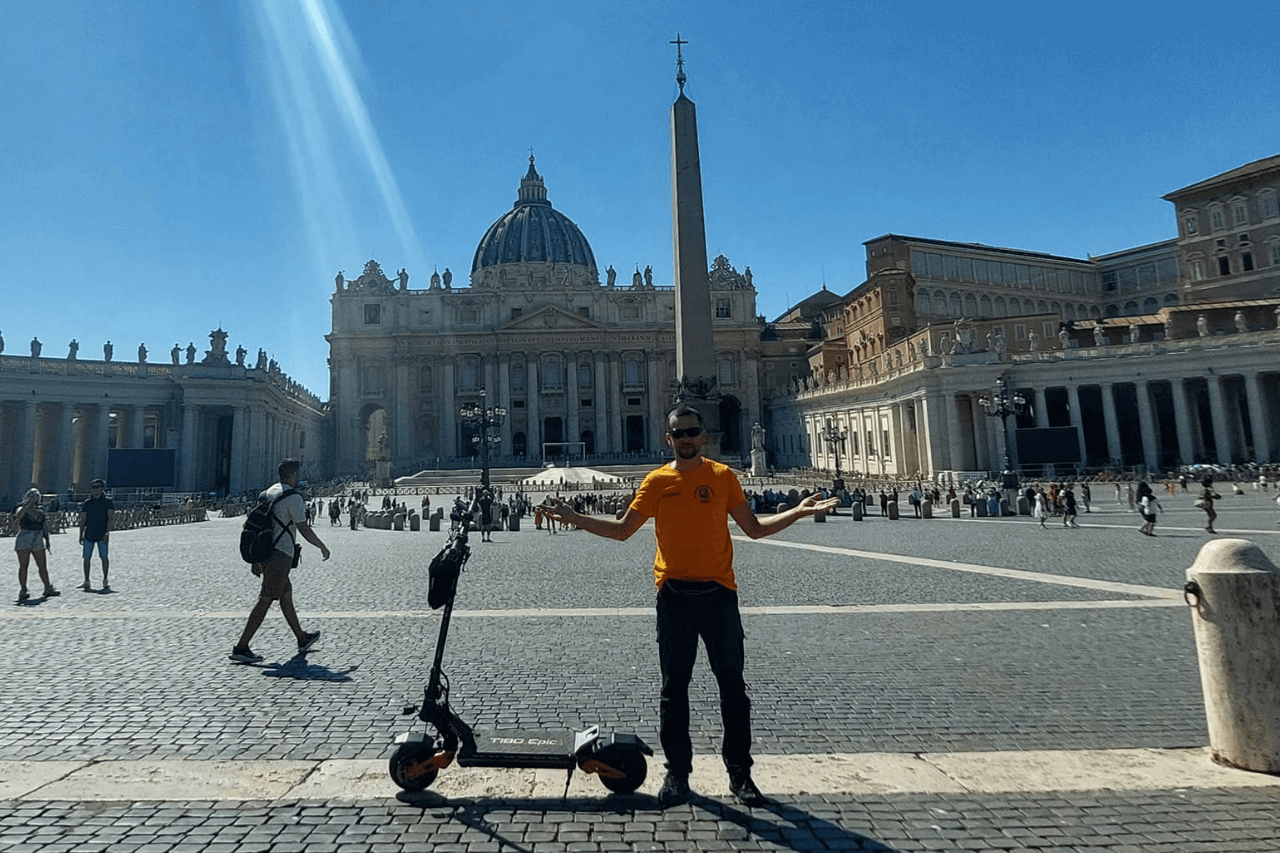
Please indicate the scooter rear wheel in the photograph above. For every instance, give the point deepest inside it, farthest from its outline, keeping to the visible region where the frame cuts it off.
(630, 761)
(408, 766)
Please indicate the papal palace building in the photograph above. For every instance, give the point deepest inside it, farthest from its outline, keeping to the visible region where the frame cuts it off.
(1151, 357)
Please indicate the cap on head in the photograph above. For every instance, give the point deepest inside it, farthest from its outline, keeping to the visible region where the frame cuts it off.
(31, 493)
(99, 482)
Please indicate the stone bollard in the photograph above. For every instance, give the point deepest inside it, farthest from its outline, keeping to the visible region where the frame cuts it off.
(993, 507)
(1024, 505)
(893, 510)
(433, 523)
(856, 509)
(955, 507)
(926, 509)
(1004, 507)
(981, 507)
(397, 521)
(415, 522)
(513, 522)
(1235, 594)
(820, 517)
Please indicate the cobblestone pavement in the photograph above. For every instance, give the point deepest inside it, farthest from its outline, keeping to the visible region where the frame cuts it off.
(907, 637)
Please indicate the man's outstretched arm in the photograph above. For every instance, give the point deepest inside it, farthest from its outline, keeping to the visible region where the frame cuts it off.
(601, 525)
(757, 528)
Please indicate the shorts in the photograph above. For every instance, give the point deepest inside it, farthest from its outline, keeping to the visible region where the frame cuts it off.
(29, 540)
(275, 575)
(102, 548)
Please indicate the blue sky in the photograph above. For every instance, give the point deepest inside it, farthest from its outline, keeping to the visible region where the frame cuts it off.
(169, 167)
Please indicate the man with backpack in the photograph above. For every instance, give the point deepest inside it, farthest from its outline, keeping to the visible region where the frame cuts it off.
(288, 514)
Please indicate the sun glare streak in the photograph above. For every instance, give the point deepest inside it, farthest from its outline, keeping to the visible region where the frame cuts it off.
(317, 98)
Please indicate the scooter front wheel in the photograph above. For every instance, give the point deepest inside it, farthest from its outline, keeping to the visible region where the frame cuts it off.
(410, 766)
(630, 762)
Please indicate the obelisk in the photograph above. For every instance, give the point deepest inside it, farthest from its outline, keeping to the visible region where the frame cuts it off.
(695, 345)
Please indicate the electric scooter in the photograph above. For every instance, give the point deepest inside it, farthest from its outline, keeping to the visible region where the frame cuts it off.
(617, 758)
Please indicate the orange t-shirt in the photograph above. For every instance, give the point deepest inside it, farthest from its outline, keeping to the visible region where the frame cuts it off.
(691, 521)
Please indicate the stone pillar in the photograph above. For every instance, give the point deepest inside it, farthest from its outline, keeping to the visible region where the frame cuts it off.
(599, 390)
(448, 411)
(1077, 419)
(187, 458)
(1258, 420)
(98, 442)
(258, 473)
(955, 443)
(1219, 413)
(1042, 408)
(1114, 450)
(659, 405)
(1147, 426)
(573, 430)
(1182, 418)
(532, 379)
(63, 449)
(402, 433)
(504, 395)
(615, 401)
(24, 454)
(938, 456)
(239, 449)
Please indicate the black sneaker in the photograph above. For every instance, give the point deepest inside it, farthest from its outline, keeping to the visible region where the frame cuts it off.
(745, 790)
(675, 790)
(305, 645)
(244, 654)
(50, 592)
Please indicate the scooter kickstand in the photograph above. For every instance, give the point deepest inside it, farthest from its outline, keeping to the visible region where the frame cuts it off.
(568, 780)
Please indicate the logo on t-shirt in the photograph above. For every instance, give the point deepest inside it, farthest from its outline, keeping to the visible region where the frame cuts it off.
(704, 494)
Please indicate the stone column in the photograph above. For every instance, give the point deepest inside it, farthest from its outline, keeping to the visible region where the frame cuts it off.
(448, 411)
(1077, 419)
(504, 395)
(1258, 420)
(63, 449)
(1182, 419)
(936, 454)
(1114, 450)
(239, 449)
(1147, 426)
(658, 409)
(532, 379)
(615, 401)
(258, 474)
(1219, 413)
(573, 431)
(598, 388)
(98, 442)
(402, 445)
(955, 443)
(187, 459)
(24, 452)
(1042, 408)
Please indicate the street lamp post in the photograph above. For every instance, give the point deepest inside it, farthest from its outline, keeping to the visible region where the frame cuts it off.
(835, 438)
(1003, 404)
(483, 419)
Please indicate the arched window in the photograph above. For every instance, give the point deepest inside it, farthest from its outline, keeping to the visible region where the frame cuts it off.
(469, 376)
(984, 306)
(1150, 305)
(631, 372)
(584, 375)
(1001, 307)
(970, 305)
(953, 302)
(1130, 308)
(517, 376)
(424, 379)
(724, 371)
(922, 301)
(551, 376)
(939, 303)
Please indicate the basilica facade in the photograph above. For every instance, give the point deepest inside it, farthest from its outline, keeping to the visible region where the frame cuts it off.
(582, 367)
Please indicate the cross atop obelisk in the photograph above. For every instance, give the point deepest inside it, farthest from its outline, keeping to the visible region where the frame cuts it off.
(695, 343)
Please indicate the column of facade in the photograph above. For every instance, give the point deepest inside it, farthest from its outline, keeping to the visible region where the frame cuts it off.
(63, 449)
(657, 425)
(1258, 419)
(186, 462)
(1182, 419)
(402, 434)
(936, 456)
(1042, 408)
(955, 444)
(572, 393)
(1218, 412)
(25, 451)
(1077, 420)
(532, 380)
(1114, 451)
(239, 449)
(1147, 426)
(448, 411)
(137, 424)
(600, 387)
(505, 446)
(985, 441)
(257, 473)
(615, 402)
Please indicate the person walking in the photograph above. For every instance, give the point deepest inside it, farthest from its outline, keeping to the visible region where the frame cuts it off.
(1041, 510)
(691, 499)
(1148, 506)
(1069, 508)
(96, 516)
(30, 523)
(1086, 495)
(288, 520)
(1205, 502)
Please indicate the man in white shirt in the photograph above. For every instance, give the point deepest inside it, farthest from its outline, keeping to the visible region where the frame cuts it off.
(289, 518)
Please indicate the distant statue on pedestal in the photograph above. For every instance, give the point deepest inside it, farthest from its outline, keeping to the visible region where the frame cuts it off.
(337, 281)
(1, 342)
(107, 351)
(1242, 325)
(175, 354)
(746, 275)
(142, 353)
(1099, 336)
(262, 359)
(73, 349)
(648, 276)
(191, 352)
(637, 280)
(611, 276)
(1168, 328)
(448, 279)
(36, 346)
(404, 279)
(1033, 342)
(757, 436)
(241, 352)
(1202, 326)
(1135, 332)
(1064, 338)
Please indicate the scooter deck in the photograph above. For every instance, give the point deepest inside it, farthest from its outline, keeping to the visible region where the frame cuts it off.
(520, 748)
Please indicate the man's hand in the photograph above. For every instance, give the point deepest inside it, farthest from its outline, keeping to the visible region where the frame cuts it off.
(559, 510)
(812, 506)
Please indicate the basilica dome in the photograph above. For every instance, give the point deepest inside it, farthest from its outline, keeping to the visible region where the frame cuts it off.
(533, 244)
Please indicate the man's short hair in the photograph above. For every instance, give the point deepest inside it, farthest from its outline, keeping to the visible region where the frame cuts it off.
(289, 466)
(683, 410)
(98, 481)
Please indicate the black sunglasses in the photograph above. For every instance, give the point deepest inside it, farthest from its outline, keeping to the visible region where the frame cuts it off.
(690, 432)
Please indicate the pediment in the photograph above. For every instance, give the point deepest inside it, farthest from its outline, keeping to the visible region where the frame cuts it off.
(550, 317)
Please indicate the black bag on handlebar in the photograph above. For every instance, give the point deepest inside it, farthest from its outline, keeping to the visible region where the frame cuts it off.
(442, 576)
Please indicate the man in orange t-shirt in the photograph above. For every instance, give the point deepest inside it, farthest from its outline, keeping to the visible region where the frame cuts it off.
(691, 500)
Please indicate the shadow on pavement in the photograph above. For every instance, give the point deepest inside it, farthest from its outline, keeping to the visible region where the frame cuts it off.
(781, 825)
(298, 668)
